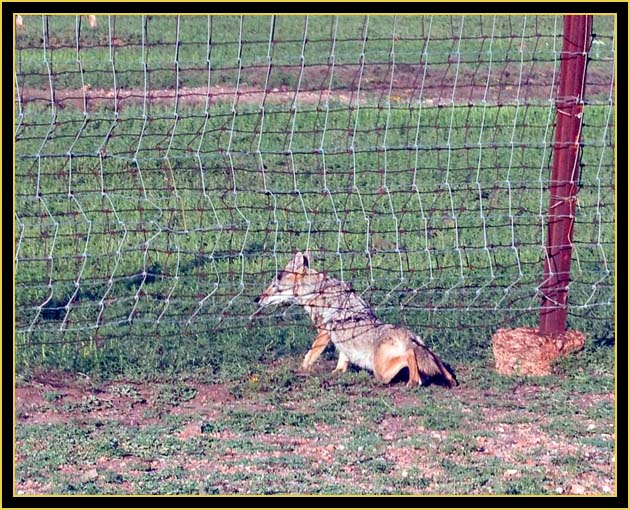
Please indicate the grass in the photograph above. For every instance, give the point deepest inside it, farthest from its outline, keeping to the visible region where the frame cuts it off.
(128, 41)
(323, 434)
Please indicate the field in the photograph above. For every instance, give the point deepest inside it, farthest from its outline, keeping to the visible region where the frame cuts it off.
(169, 179)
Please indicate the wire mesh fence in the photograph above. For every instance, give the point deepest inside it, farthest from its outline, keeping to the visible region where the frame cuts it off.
(168, 166)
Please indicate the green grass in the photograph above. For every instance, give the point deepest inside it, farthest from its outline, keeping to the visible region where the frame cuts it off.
(125, 33)
(169, 241)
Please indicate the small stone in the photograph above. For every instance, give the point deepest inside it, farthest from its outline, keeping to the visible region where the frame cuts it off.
(90, 475)
(577, 489)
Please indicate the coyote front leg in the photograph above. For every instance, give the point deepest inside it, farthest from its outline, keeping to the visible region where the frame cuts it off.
(321, 341)
(342, 363)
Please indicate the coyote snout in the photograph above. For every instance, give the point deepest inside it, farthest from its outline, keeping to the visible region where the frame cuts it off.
(345, 319)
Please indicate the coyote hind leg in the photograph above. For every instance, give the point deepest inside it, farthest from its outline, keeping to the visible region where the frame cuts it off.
(414, 374)
(320, 343)
(391, 358)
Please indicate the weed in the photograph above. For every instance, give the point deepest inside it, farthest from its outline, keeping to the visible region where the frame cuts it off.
(87, 404)
(128, 391)
(174, 395)
(52, 396)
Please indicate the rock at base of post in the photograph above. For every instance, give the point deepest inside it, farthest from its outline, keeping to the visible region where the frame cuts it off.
(523, 351)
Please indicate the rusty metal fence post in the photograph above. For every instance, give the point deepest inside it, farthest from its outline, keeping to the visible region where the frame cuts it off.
(565, 174)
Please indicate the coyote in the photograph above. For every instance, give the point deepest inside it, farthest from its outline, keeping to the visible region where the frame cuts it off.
(343, 317)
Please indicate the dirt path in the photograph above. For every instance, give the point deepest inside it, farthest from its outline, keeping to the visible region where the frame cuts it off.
(437, 85)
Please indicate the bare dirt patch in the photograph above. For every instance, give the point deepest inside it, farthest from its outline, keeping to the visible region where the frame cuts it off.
(442, 85)
(58, 400)
(417, 459)
(209, 399)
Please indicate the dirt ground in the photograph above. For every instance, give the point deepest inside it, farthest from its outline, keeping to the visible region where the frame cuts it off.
(436, 86)
(342, 435)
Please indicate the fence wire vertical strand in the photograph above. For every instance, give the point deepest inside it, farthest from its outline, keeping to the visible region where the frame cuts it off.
(261, 127)
(353, 133)
(202, 175)
(385, 187)
(290, 151)
(416, 147)
(447, 184)
(599, 203)
(482, 215)
(102, 154)
(508, 182)
(38, 193)
(598, 180)
(322, 150)
(232, 169)
(19, 107)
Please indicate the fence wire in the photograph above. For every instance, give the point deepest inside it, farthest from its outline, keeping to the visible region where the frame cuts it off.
(168, 166)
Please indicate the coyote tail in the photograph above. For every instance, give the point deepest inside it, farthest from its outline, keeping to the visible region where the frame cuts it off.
(429, 365)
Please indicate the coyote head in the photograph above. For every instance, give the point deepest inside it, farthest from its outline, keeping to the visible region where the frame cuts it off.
(293, 282)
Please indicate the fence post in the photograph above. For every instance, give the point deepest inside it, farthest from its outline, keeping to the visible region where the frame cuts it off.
(564, 174)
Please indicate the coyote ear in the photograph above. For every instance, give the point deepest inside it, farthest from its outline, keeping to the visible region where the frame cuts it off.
(297, 261)
(300, 261)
